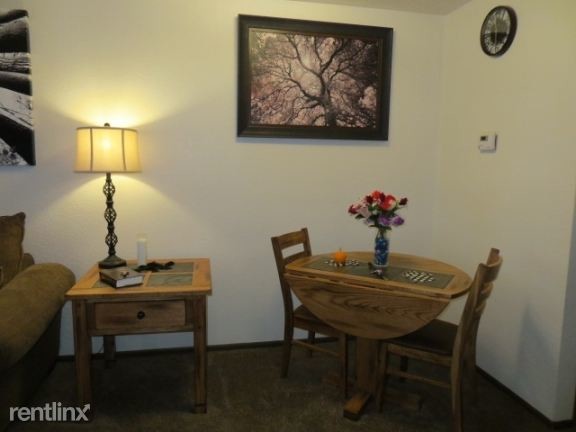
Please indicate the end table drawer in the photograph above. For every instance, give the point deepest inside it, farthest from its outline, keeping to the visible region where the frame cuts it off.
(140, 315)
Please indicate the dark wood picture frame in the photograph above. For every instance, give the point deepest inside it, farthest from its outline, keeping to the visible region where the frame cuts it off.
(309, 79)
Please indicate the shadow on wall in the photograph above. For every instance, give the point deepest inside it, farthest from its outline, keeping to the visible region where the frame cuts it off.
(535, 353)
(567, 369)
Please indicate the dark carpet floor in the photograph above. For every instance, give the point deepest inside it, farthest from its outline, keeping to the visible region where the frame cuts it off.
(153, 392)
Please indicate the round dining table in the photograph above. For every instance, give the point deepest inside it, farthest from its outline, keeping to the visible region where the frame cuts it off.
(374, 304)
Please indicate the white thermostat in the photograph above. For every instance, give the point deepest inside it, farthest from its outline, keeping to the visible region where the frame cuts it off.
(488, 143)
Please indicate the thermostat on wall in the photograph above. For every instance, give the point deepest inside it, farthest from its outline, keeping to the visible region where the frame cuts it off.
(488, 143)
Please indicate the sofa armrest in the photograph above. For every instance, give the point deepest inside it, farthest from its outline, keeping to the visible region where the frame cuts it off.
(28, 303)
(27, 261)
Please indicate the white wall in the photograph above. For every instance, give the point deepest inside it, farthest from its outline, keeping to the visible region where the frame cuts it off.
(521, 198)
(168, 68)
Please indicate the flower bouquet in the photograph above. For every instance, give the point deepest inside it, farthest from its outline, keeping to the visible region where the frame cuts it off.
(380, 211)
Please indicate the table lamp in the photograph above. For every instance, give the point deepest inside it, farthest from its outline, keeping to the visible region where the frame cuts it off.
(107, 150)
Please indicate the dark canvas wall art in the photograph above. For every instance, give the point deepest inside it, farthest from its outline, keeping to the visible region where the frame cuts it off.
(16, 131)
(309, 79)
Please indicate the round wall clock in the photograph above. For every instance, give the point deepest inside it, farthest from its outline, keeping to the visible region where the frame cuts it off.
(498, 30)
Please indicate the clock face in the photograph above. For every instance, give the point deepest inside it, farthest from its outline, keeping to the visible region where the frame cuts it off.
(498, 30)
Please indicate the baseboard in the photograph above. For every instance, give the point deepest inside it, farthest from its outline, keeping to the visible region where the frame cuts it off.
(563, 424)
(222, 347)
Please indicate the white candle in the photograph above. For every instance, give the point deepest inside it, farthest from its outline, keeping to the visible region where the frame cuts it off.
(142, 249)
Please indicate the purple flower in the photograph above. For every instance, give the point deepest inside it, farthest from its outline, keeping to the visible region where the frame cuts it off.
(397, 221)
(384, 221)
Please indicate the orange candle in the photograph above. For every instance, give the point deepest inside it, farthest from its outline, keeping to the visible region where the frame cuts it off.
(340, 257)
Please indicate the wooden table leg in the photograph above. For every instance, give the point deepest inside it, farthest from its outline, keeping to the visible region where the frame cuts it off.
(366, 378)
(109, 350)
(82, 352)
(199, 314)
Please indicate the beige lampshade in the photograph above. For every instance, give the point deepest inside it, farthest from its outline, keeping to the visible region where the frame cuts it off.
(107, 149)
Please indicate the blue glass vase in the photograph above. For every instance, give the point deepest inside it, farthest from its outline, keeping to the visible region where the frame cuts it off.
(381, 248)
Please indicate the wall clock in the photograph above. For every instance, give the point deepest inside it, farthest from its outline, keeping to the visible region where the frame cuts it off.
(498, 31)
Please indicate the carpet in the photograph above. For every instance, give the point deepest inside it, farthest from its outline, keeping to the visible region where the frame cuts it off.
(153, 392)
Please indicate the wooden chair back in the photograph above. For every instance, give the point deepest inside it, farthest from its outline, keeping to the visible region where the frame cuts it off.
(480, 290)
(280, 245)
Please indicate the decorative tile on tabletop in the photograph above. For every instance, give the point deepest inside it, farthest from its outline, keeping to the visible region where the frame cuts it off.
(170, 279)
(391, 273)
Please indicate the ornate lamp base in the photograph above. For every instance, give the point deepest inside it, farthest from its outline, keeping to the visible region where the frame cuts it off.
(111, 262)
(110, 215)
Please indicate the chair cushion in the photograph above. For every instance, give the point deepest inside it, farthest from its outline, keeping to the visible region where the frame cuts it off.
(437, 337)
(11, 236)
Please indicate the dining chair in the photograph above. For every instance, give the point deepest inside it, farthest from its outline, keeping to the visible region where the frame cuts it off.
(445, 344)
(287, 248)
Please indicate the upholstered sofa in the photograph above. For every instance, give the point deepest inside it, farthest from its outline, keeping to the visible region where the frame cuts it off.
(31, 299)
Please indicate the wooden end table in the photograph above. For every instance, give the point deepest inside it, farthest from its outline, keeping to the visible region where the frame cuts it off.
(168, 301)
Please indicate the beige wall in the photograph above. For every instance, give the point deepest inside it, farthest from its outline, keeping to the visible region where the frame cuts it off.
(168, 68)
(520, 198)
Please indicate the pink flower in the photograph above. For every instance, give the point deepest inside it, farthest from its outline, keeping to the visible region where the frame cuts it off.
(364, 211)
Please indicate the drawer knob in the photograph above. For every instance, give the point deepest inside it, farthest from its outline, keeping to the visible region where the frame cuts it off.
(140, 315)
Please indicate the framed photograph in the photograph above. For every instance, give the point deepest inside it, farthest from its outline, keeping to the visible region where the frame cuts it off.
(16, 132)
(308, 79)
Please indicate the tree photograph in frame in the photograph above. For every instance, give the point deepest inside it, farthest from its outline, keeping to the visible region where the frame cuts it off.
(308, 79)
(16, 131)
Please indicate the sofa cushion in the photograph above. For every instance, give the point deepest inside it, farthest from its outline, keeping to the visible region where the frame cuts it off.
(11, 236)
(28, 303)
